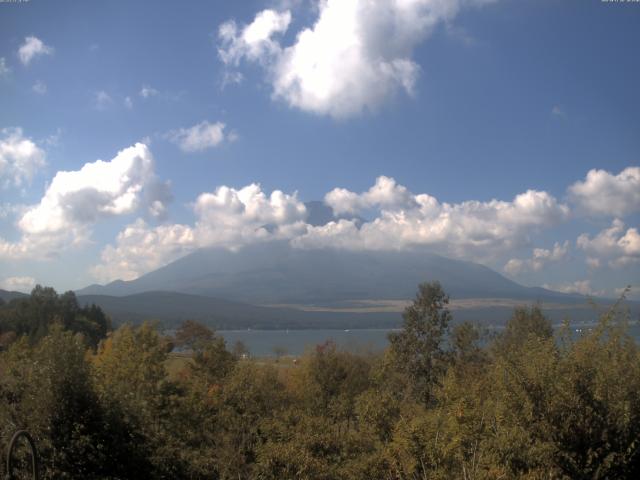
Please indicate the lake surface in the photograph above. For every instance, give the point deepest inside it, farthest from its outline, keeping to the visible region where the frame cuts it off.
(263, 342)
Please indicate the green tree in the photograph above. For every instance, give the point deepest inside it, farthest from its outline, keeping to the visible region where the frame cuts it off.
(47, 390)
(132, 385)
(525, 323)
(34, 316)
(417, 350)
(193, 335)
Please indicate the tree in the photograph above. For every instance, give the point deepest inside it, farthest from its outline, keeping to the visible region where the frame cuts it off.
(417, 349)
(240, 349)
(132, 386)
(47, 389)
(524, 324)
(212, 362)
(193, 335)
(34, 316)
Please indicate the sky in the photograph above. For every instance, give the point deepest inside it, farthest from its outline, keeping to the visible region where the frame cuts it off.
(505, 132)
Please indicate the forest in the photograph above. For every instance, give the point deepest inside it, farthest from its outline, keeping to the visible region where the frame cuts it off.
(444, 400)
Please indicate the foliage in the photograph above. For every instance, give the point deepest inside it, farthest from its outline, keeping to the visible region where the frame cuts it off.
(440, 403)
(34, 316)
(417, 350)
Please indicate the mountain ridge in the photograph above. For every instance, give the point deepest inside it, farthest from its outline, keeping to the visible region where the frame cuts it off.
(275, 273)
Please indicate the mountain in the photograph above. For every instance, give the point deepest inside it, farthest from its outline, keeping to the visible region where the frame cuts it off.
(7, 296)
(276, 273)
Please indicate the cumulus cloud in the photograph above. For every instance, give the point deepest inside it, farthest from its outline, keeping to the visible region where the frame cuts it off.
(253, 41)
(406, 220)
(582, 287)
(98, 189)
(539, 259)
(485, 231)
(232, 217)
(74, 200)
(44, 246)
(20, 158)
(386, 193)
(616, 245)
(32, 48)
(199, 137)
(606, 194)
(357, 53)
(226, 217)
(18, 284)
(141, 248)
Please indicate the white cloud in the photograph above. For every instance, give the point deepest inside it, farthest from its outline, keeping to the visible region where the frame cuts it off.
(20, 158)
(99, 189)
(45, 245)
(582, 287)
(39, 87)
(467, 229)
(141, 248)
(4, 69)
(102, 100)
(603, 193)
(254, 40)
(18, 284)
(386, 193)
(357, 54)
(128, 103)
(198, 137)
(147, 91)
(481, 231)
(31, 48)
(539, 259)
(227, 218)
(231, 217)
(75, 200)
(616, 245)
(470, 229)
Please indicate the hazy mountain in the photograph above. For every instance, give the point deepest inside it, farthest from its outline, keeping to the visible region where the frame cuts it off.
(275, 273)
(7, 296)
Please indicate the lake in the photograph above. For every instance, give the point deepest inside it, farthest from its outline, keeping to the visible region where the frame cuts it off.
(263, 342)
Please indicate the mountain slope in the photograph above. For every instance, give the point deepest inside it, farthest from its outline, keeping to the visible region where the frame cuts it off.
(7, 296)
(276, 273)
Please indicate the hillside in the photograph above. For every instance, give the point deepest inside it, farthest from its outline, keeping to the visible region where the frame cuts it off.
(7, 296)
(276, 273)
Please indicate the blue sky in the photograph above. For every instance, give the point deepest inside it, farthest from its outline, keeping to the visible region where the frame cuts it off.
(454, 109)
